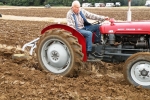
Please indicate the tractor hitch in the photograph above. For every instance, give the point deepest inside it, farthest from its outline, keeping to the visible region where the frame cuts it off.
(31, 44)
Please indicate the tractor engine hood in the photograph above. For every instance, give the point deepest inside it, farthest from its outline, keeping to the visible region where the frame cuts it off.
(139, 27)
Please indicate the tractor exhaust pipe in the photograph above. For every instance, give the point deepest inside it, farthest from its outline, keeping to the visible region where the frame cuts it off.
(129, 11)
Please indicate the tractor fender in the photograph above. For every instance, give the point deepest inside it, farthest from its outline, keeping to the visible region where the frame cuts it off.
(74, 32)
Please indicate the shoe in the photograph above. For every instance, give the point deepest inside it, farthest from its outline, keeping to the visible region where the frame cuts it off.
(97, 42)
(97, 54)
(90, 56)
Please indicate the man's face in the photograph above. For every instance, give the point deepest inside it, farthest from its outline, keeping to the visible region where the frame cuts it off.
(76, 8)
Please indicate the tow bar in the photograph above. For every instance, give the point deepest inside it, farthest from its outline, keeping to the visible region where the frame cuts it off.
(31, 44)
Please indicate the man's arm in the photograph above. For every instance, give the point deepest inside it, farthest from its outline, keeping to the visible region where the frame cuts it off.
(70, 21)
(92, 16)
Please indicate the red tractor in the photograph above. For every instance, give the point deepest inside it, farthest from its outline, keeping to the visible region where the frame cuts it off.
(61, 49)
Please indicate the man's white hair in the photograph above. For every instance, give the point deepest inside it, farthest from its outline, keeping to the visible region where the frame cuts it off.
(76, 2)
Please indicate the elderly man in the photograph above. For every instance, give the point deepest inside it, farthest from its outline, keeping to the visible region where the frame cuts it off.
(76, 18)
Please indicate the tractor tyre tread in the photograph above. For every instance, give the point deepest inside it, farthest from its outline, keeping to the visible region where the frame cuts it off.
(73, 42)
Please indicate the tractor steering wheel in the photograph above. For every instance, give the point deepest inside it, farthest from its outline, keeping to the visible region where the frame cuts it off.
(98, 22)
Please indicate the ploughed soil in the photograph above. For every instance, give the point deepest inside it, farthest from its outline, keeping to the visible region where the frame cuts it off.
(23, 80)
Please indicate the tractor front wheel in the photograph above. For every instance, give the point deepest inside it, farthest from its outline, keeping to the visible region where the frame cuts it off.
(59, 52)
(136, 69)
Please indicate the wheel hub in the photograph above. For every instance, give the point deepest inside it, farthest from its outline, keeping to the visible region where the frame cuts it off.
(57, 55)
(140, 73)
(54, 55)
(144, 72)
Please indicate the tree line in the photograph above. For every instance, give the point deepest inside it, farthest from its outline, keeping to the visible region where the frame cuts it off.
(67, 2)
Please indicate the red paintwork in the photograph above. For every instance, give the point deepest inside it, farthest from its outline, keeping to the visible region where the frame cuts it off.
(139, 27)
(75, 33)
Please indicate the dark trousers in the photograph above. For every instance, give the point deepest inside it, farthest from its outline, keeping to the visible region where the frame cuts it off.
(95, 28)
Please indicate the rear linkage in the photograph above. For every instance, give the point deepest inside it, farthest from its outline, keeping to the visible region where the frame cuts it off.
(31, 44)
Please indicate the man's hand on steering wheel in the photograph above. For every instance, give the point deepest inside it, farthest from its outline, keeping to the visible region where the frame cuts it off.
(106, 18)
(100, 21)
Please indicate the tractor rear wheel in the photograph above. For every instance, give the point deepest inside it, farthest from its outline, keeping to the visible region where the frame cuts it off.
(59, 52)
(136, 69)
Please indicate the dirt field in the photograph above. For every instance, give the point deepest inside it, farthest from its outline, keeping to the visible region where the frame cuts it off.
(22, 79)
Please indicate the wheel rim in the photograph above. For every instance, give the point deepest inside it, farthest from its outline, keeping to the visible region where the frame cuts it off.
(140, 72)
(55, 56)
